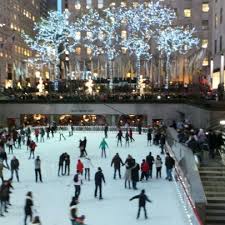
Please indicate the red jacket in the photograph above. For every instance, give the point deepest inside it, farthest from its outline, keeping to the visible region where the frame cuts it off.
(80, 166)
(144, 167)
(36, 132)
(33, 145)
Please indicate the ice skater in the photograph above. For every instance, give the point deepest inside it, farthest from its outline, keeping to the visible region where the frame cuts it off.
(106, 128)
(28, 207)
(143, 198)
(77, 183)
(99, 178)
(117, 162)
(127, 140)
(103, 145)
(119, 137)
(149, 137)
(15, 167)
(61, 134)
(37, 165)
(131, 135)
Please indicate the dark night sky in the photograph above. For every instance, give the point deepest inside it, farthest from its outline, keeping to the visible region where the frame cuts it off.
(52, 4)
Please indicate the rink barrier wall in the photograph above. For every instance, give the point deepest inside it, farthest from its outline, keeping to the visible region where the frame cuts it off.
(187, 172)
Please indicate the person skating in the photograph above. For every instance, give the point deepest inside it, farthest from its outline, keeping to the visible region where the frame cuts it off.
(144, 170)
(61, 134)
(36, 133)
(87, 165)
(47, 129)
(106, 128)
(73, 210)
(143, 198)
(119, 137)
(15, 167)
(99, 178)
(128, 166)
(36, 221)
(3, 156)
(80, 166)
(103, 145)
(169, 163)
(149, 137)
(32, 148)
(131, 135)
(77, 183)
(117, 162)
(37, 165)
(10, 144)
(42, 133)
(127, 139)
(158, 165)
(28, 207)
(150, 160)
(28, 142)
(19, 140)
(67, 164)
(162, 142)
(85, 145)
(70, 130)
(2, 166)
(60, 165)
(135, 174)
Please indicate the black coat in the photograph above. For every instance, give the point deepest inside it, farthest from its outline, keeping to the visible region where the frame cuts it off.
(14, 164)
(3, 155)
(150, 160)
(28, 205)
(99, 177)
(142, 199)
(116, 161)
(169, 162)
(135, 172)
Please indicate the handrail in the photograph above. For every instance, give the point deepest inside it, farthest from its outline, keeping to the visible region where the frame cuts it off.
(185, 189)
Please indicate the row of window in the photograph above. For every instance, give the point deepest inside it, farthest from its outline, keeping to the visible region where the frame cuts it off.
(25, 12)
(218, 19)
(23, 51)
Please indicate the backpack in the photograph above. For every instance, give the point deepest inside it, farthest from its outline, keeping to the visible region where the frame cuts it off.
(75, 179)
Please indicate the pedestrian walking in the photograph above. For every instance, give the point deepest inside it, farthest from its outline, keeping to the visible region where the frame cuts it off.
(99, 178)
(143, 198)
(103, 145)
(28, 207)
(15, 168)
(37, 165)
(117, 162)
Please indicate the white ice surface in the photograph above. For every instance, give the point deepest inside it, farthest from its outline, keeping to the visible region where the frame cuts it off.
(52, 197)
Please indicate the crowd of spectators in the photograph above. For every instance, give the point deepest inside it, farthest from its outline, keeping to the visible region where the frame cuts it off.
(198, 140)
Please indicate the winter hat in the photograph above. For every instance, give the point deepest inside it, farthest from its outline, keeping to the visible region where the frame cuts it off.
(142, 191)
(99, 168)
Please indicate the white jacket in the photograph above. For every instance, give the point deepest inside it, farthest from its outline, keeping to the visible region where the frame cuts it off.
(87, 163)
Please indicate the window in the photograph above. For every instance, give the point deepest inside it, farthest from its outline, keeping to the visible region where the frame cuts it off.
(215, 46)
(77, 5)
(100, 4)
(205, 7)
(205, 43)
(205, 24)
(89, 4)
(78, 50)
(89, 51)
(221, 43)
(216, 20)
(124, 34)
(221, 15)
(187, 12)
(78, 36)
(205, 62)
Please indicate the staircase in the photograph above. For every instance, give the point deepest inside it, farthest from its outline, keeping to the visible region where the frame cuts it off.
(213, 180)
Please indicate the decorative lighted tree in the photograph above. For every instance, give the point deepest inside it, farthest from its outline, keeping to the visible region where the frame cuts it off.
(54, 36)
(40, 86)
(175, 40)
(141, 85)
(89, 84)
(139, 48)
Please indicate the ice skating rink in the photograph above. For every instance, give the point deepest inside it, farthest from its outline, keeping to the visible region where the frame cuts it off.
(52, 197)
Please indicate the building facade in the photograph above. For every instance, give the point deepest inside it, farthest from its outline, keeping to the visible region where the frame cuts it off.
(185, 69)
(218, 42)
(17, 17)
